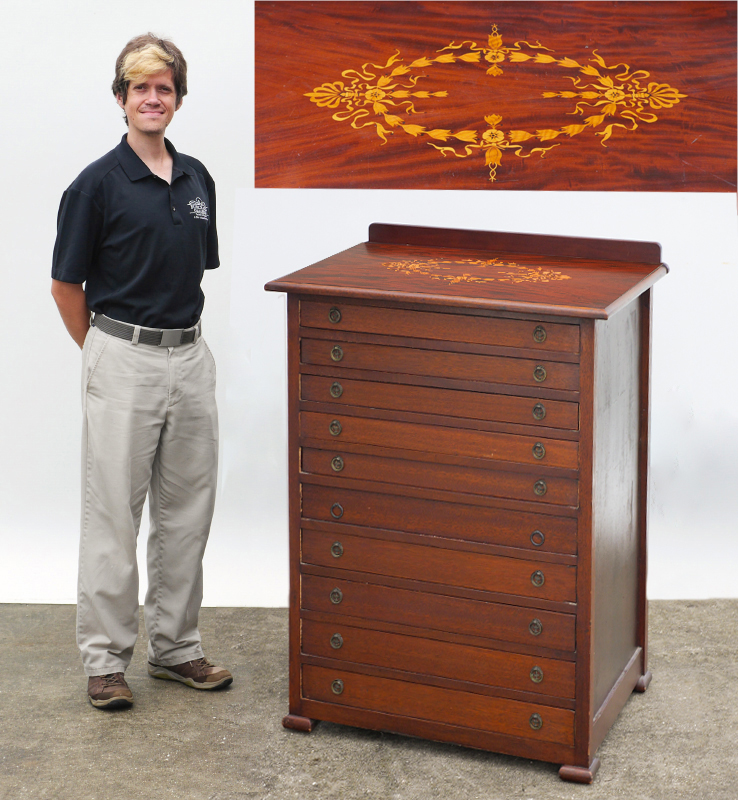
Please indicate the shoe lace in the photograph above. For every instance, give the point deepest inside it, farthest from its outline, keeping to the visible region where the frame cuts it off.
(202, 662)
(112, 679)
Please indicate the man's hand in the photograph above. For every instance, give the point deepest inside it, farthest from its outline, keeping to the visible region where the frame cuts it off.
(72, 304)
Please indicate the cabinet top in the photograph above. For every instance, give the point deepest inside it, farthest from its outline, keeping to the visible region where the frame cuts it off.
(557, 275)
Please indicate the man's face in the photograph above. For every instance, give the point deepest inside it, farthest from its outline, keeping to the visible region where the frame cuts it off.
(151, 103)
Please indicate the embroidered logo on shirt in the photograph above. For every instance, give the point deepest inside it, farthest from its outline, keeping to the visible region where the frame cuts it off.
(199, 209)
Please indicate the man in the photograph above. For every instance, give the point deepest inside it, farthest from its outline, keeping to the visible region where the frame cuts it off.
(136, 230)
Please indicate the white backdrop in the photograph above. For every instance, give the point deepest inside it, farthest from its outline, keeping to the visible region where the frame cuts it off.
(58, 114)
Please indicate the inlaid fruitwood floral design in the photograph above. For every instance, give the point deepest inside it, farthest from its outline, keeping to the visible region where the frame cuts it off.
(383, 96)
(502, 271)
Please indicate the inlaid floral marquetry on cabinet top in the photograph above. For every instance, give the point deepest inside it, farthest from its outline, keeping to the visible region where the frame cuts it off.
(468, 434)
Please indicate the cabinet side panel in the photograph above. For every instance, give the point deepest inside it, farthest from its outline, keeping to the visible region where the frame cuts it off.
(616, 536)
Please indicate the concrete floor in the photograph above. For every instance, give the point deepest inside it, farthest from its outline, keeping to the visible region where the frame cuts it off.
(678, 740)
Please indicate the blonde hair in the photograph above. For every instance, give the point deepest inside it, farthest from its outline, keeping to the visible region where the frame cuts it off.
(150, 60)
(147, 55)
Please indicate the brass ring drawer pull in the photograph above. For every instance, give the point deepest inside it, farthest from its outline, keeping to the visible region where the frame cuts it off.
(538, 578)
(335, 428)
(336, 596)
(336, 353)
(539, 373)
(540, 488)
(337, 463)
(336, 511)
(535, 627)
(336, 390)
(537, 538)
(535, 720)
(337, 686)
(536, 674)
(539, 411)
(336, 549)
(539, 334)
(337, 642)
(334, 315)
(539, 451)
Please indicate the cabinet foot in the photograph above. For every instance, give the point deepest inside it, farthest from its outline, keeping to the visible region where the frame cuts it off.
(580, 774)
(643, 682)
(295, 723)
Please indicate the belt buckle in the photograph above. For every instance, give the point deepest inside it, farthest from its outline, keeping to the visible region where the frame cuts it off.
(171, 338)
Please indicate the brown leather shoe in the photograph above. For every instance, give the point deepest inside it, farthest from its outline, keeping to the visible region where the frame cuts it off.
(109, 691)
(199, 674)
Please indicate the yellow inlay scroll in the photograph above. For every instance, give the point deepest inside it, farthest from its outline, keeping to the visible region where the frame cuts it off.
(604, 97)
(502, 271)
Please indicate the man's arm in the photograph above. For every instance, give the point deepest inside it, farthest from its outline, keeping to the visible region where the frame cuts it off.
(72, 304)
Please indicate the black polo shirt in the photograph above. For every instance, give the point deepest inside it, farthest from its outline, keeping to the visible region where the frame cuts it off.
(139, 244)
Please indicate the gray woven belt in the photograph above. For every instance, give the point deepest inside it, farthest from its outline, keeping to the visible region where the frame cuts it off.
(137, 334)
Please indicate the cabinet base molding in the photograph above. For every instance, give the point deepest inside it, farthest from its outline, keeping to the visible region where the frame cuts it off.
(296, 723)
(580, 774)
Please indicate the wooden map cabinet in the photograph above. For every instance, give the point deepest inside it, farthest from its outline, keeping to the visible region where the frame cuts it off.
(468, 437)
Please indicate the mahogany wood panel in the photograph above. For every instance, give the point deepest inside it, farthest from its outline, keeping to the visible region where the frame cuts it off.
(596, 96)
(445, 327)
(446, 477)
(442, 636)
(430, 702)
(558, 247)
(435, 611)
(431, 564)
(489, 525)
(646, 301)
(537, 411)
(615, 523)
(617, 697)
(475, 279)
(421, 655)
(438, 731)
(517, 371)
(441, 542)
(477, 444)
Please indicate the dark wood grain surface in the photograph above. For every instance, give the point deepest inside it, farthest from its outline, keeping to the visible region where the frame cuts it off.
(514, 371)
(616, 535)
(490, 331)
(489, 525)
(379, 602)
(447, 402)
(674, 98)
(570, 287)
(476, 444)
(431, 564)
(418, 654)
(429, 702)
(434, 475)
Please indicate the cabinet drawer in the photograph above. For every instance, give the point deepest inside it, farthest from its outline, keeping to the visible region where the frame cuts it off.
(508, 623)
(523, 673)
(528, 333)
(532, 532)
(447, 402)
(528, 578)
(448, 477)
(461, 366)
(453, 707)
(408, 436)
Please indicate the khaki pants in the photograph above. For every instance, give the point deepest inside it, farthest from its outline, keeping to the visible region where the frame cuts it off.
(149, 424)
